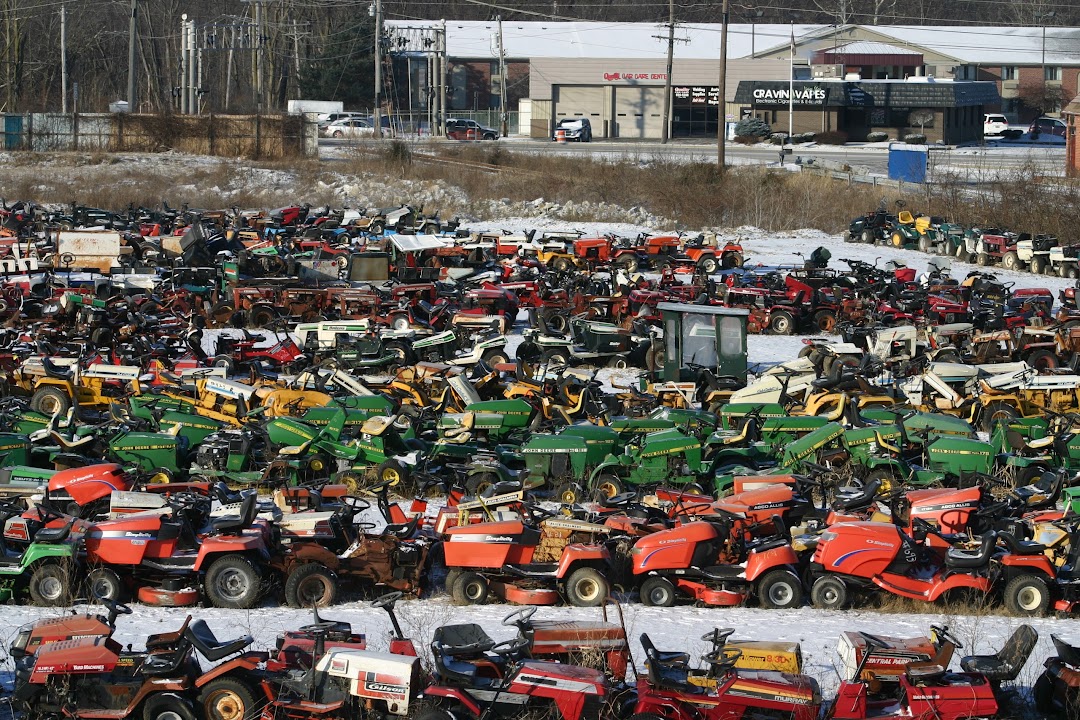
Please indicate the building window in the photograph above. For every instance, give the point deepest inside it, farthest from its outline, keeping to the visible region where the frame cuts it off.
(1052, 72)
(1010, 72)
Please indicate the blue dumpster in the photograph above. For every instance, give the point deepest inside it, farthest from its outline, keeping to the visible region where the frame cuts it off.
(907, 162)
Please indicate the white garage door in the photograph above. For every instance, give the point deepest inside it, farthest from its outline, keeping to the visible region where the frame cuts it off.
(580, 101)
(639, 112)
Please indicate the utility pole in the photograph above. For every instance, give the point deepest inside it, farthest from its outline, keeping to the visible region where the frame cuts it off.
(721, 100)
(296, 56)
(199, 48)
(63, 60)
(378, 69)
(442, 79)
(665, 131)
(193, 69)
(503, 111)
(184, 59)
(260, 55)
(132, 29)
(229, 64)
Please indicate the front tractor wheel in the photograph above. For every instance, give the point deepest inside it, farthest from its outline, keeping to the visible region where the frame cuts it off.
(311, 585)
(586, 587)
(657, 592)
(780, 589)
(234, 582)
(227, 698)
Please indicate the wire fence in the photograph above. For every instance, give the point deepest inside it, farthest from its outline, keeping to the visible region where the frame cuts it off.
(251, 136)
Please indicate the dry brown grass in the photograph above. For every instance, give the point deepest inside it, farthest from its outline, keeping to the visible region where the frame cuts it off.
(692, 195)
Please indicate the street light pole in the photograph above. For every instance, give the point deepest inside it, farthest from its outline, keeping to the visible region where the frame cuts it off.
(1043, 17)
(665, 128)
(721, 99)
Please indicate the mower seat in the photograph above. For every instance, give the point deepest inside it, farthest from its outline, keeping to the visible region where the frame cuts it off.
(668, 669)
(463, 432)
(860, 500)
(1006, 663)
(59, 372)
(959, 558)
(923, 673)
(1017, 546)
(1041, 443)
(53, 534)
(235, 524)
(462, 640)
(403, 531)
(377, 425)
(203, 639)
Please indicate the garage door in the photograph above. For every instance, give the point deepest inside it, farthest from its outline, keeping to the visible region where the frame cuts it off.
(580, 101)
(639, 112)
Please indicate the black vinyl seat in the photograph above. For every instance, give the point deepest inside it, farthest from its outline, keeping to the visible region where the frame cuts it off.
(1020, 547)
(668, 669)
(403, 531)
(1006, 663)
(203, 639)
(53, 534)
(456, 648)
(959, 558)
(860, 500)
(235, 524)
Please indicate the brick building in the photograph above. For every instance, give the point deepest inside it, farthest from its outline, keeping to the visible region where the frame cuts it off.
(1072, 138)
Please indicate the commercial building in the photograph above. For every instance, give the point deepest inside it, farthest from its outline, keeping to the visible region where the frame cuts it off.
(615, 74)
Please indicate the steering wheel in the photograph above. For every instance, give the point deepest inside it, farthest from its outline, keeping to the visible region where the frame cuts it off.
(324, 626)
(942, 631)
(510, 647)
(520, 617)
(620, 499)
(354, 503)
(724, 656)
(718, 636)
(115, 608)
(389, 599)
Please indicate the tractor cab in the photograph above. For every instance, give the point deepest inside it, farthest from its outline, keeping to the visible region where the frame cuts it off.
(703, 337)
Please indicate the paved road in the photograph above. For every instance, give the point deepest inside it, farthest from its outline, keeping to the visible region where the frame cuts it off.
(979, 162)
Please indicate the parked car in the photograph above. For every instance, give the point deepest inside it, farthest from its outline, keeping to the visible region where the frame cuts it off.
(325, 119)
(1047, 126)
(994, 124)
(579, 129)
(349, 127)
(458, 129)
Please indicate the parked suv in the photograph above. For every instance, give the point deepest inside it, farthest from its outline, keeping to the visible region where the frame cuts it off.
(1047, 126)
(994, 124)
(458, 129)
(579, 129)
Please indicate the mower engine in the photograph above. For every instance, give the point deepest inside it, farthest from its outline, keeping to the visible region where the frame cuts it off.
(225, 450)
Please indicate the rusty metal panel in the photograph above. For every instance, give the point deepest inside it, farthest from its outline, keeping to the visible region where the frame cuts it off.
(86, 249)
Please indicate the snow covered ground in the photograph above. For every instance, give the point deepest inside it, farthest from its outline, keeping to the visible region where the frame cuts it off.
(678, 628)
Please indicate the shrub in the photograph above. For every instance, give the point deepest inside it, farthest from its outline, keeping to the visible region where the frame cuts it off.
(877, 137)
(778, 138)
(753, 127)
(803, 137)
(833, 137)
(915, 139)
(747, 139)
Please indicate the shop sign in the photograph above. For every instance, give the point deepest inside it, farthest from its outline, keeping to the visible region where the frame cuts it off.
(778, 96)
(617, 76)
(697, 95)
